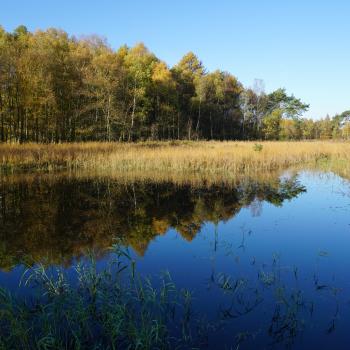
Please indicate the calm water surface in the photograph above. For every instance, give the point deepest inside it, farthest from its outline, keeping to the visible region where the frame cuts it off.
(268, 260)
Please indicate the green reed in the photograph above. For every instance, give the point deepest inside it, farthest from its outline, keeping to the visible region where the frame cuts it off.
(110, 309)
(116, 308)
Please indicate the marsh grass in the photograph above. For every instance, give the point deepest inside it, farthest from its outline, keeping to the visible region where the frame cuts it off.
(110, 309)
(116, 308)
(171, 157)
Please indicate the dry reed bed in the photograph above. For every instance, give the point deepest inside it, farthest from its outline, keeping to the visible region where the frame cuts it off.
(180, 157)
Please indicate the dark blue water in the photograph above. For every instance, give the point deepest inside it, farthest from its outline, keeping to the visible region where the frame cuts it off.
(267, 261)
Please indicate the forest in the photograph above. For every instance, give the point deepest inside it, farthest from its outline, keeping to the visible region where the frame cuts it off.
(58, 88)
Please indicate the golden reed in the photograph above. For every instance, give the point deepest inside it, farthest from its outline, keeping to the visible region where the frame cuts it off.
(209, 157)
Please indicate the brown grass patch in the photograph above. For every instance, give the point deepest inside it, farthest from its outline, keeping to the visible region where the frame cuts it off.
(207, 158)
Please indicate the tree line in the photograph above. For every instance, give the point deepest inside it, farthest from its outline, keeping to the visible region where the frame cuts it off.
(57, 88)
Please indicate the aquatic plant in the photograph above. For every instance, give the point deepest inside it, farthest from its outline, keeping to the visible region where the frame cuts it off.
(109, 309)
(116, 307)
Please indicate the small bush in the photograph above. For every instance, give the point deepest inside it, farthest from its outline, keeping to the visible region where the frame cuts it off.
(258, 147)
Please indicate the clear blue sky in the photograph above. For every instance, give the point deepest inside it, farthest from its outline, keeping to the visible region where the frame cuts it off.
(303, 46)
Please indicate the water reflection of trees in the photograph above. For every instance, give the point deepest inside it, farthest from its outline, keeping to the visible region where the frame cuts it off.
(56, 221)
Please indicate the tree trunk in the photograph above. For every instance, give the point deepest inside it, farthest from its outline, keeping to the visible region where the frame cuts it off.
(211, 127)
(108, 122)
(132, 115)
(189, 128)
(199, 118)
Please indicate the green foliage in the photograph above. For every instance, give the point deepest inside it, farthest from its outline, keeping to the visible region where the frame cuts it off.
(290, 129)
(272, 125)
(290, 106)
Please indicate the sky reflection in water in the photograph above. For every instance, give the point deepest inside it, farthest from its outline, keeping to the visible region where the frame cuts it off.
(284, 243)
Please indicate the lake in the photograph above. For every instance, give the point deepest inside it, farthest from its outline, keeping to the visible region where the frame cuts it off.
(266, 258)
